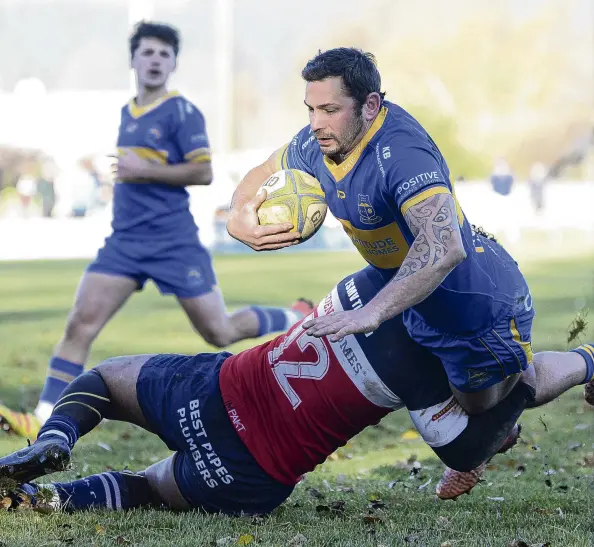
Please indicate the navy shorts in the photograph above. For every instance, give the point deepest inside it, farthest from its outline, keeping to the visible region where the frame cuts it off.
(475, 363)
(183, 270)
(181, 400)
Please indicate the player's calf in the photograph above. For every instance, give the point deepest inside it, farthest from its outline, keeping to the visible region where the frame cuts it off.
(114, 490)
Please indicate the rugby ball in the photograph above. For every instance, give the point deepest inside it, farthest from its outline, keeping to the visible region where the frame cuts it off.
(296, 197)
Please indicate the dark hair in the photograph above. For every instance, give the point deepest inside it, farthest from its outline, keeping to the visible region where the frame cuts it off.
(358, 71)
(160, 31)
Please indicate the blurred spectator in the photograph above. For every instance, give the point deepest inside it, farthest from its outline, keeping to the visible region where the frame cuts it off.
(537, 179)
(505, 214)
(47, 193)
(502, 179)
(26, 188)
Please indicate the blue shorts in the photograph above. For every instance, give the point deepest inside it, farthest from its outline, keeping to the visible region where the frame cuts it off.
(184, 270)
(180, 398)
(477, 363)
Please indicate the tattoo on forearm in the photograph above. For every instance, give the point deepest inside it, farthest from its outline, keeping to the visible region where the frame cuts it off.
(433, 222)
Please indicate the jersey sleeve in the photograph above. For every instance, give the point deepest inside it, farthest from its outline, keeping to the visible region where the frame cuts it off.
(299, 153)
(190, 133)
(414, 176)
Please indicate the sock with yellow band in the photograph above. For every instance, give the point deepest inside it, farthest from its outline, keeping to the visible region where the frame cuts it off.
(587, 352)
(81, 407)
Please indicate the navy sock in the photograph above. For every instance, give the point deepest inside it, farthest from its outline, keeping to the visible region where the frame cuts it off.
(114, 490)
(275, 319)
(587, 352)
(60, 373)
(82, 406)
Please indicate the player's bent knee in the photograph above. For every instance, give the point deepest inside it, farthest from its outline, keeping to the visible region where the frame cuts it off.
(218, 337)
(82, 326)
(161, 479)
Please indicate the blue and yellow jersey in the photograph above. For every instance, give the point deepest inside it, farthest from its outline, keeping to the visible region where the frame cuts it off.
(395, 166)
(170, 130)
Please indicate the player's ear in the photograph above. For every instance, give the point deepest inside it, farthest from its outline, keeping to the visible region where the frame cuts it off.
(371, 106)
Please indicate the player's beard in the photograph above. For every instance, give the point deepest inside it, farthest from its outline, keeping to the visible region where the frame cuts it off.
(349, 139)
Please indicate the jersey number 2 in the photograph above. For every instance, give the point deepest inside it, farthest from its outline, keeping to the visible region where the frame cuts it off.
(287, 362)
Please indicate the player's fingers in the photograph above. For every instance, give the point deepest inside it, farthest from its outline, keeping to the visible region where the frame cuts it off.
(254, 204)
(340, 334)
(276, 230)
(272, 246)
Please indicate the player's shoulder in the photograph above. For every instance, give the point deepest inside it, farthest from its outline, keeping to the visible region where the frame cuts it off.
(400, 133)
(183, 107)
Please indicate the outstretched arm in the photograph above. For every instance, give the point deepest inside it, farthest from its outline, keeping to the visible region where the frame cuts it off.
(436, 250)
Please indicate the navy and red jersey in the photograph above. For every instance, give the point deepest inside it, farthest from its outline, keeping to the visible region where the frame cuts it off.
(296, 399)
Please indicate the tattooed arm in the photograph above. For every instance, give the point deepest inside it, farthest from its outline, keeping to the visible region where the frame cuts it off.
(435, 252)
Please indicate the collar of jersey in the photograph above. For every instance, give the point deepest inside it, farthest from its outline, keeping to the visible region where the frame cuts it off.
(344, 168)
(137, 111)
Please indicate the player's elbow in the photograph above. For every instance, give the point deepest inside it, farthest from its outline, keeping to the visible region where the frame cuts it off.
(202, 174)
(456, 253)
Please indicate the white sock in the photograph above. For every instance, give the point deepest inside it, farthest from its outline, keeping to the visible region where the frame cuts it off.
(43, 411)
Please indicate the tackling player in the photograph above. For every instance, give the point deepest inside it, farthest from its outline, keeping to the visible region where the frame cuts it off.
(462, 296)
(246, 427)
(162, 148)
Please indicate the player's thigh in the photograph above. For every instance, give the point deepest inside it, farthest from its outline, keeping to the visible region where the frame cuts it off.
(99, 296)
(120, 374)
(161, 478)
(206, 312)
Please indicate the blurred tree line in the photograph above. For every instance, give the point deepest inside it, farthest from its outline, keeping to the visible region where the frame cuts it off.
(486, 79)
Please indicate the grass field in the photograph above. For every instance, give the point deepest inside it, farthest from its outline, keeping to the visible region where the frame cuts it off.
(541, 493)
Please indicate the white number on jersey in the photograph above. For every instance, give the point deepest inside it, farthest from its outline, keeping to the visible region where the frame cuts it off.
(287, 361)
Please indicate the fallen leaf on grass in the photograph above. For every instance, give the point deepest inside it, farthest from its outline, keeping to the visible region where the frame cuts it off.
(443, 522)
(298, 541)
(371, 519)
(589, 460)
(376, 504)
(245, 539)
(99, 530)
(519, 470)
(424, 485)
(410, 435)
(416, 467)
(314, 493)
(5, 503)
(521, 543)
(334, 507)
(225, 541)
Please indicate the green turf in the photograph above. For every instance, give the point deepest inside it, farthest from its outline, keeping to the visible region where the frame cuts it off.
(365, 495)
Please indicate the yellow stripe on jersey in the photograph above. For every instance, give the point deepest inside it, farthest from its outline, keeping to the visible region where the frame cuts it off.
(427, 194)
(280, 158)
(138, 111)
(526, 346)
(383, 247)
(345, 167)
(416, 199)
(156, 156)
(199, 155)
